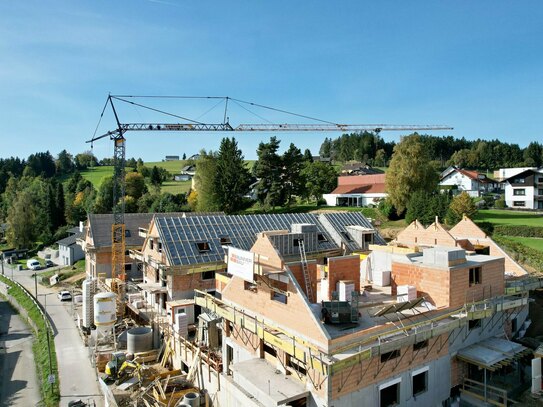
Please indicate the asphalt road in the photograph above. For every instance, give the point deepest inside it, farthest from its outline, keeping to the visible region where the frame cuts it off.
(78, 378)
(19, 382)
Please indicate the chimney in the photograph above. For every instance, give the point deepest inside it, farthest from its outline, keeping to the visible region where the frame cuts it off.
(81, 226)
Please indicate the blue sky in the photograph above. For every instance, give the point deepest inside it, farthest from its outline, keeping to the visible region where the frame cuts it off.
(476, 66)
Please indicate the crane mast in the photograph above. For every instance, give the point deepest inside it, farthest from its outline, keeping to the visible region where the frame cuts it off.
(118, 228)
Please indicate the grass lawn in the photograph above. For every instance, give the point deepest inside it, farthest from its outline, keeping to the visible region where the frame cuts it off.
(508, 217)
(176, 187)
(97, 174)
(533, 242)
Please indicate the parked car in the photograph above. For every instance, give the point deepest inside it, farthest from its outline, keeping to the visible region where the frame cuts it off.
(64, 296)
(33, 264)
(49, 263)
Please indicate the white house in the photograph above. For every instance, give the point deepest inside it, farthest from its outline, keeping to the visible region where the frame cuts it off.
(357, 190)
(69, 251)
(472, 182)
(524, 190)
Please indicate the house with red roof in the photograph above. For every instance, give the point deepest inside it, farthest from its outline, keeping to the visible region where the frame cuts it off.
(357, 190)
(472, 182)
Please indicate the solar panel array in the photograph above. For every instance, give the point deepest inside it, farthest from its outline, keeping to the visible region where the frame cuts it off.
(180, 236)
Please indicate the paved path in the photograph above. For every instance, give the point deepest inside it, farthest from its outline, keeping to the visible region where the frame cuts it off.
(19, 384)
(77, 377)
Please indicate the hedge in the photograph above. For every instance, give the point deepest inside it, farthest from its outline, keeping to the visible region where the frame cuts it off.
(519, 230)
(520, 252)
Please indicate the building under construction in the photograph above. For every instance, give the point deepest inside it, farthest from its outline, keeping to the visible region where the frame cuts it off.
(315, 310)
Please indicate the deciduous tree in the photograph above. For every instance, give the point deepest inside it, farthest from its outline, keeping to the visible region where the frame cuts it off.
(409, 171)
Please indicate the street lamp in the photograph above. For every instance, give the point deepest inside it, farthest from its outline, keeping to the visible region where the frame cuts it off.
(51, 377)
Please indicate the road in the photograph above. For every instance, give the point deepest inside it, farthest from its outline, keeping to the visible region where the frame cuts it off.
(19, 385)
(77, 377)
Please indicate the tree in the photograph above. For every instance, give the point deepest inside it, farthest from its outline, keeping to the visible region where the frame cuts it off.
(85, 160)
(461, 205)
(21, 222)
(409, 171)
(64, 163)
(104, 198)
(72, 183)
(232, 179)
(167, 202)
(292, 180)
(156, 178)
(320, 178)
(533, 154)
(184, 156)
(206, 169)
(135, 185)
(308, 157)
(268, 168)
(60, 219)
(426, 206)
(380, 158)
(42, 164)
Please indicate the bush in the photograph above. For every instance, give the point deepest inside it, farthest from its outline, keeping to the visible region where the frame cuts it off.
(500, 203)
(388, 210)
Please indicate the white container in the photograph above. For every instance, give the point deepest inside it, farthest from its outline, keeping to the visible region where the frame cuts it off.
(381, 278)
(105, 309)
(406, 293)
(345, 289)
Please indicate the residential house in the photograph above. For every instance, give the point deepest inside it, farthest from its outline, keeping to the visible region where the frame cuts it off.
(459, 180)
(69, 251)
(524, 190)
(187, 173)
(357, 190)
(171, 158)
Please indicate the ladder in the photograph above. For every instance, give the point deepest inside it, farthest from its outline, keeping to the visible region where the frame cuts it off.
(307, 280)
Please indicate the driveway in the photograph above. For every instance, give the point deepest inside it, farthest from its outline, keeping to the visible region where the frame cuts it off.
(19, 385)
(78, 378)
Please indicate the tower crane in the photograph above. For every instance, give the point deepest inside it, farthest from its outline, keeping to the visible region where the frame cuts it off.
(118, 230)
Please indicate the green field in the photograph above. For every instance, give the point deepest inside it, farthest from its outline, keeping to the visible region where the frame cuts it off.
(533, 242)
(97, 174)
(507, 217)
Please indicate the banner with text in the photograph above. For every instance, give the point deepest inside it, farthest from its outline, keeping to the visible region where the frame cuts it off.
(241, 263)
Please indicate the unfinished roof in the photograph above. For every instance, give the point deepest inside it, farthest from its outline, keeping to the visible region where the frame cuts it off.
(201, 239)
(492, 353)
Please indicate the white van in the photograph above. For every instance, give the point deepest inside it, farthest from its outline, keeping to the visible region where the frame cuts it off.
(33, 264)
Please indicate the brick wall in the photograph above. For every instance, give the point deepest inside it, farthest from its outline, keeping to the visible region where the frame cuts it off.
(266, 254)
(372, 370)
(492, 283)
(450, 288)
(343, 268)
(434, 235)
(432, 284)
(294, 315)
(467, 228)
(296, 269)
(190, 282)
